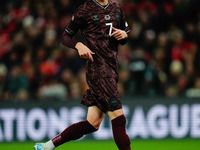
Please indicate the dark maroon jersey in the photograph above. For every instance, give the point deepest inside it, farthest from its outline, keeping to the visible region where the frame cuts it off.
(95, 22)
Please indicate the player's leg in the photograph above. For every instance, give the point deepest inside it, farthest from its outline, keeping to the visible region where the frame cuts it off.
(118, 121)
(75, 131)
(95, 116)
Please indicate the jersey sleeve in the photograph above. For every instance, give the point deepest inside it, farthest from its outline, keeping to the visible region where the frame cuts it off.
(124, 24)
(77, 22)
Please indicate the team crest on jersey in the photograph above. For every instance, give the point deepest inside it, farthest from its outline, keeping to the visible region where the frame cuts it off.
(117, 16)
(107, 17)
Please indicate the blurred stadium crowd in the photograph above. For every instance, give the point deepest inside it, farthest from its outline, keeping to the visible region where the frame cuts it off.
(161, 58)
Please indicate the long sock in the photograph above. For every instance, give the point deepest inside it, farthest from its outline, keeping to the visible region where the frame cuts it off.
(119, 133)
(73, 132)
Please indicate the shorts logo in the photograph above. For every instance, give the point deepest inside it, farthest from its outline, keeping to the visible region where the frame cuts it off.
(113, 102)
(107, 17)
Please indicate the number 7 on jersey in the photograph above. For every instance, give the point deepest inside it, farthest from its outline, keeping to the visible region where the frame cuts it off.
(110, 30)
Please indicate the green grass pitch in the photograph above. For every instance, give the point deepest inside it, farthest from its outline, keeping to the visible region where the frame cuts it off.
(185, 144)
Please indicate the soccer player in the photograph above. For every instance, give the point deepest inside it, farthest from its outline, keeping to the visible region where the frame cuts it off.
(103, 26)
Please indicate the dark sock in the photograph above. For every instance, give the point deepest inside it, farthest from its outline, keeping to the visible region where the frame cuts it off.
(119, 133)
(73, 132)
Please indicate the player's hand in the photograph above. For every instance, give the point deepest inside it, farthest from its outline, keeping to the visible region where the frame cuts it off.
(84, 51)
(118, 34)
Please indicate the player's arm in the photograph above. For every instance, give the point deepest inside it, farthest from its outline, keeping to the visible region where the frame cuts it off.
(67, 36)
(84, 51)
(119, 35)
(68, 41)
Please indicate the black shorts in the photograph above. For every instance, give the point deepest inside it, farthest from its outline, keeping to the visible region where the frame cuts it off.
(102, 93)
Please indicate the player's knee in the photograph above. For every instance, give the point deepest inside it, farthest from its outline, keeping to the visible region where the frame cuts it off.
(95, 124)
(119, 121)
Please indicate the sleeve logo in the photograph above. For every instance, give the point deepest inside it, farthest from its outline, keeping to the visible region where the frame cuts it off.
(126, 24)
(73, 18)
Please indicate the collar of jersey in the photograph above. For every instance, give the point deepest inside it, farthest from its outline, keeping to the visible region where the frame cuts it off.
(104, 7)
